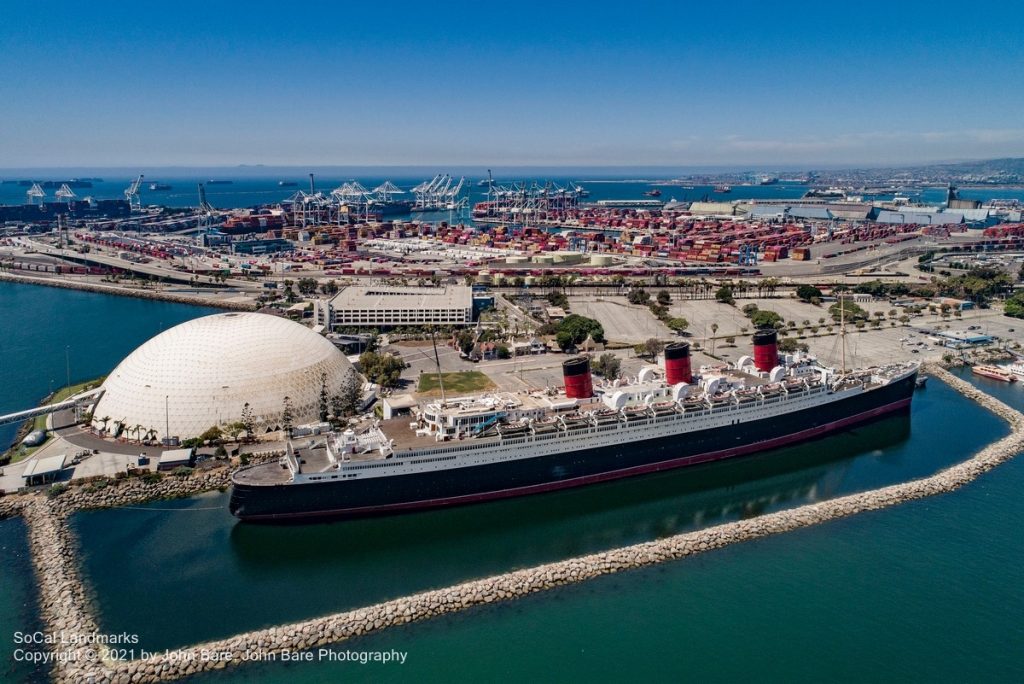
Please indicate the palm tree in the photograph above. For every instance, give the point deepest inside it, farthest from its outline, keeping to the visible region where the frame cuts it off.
(105, 420)
(714, 329)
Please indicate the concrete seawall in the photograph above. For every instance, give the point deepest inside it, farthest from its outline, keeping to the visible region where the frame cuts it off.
(341, 626)
(127, 292)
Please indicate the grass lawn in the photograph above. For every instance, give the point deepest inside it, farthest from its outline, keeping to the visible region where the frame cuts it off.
(39, 422)
(467, 381)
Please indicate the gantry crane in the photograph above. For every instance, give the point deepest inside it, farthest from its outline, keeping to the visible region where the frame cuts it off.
(131, 194)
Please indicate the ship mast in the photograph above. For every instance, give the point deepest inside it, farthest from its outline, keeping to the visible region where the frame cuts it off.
(842, 326)
(437, 362)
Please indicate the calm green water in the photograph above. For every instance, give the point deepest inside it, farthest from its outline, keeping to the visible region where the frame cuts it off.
(19, 610)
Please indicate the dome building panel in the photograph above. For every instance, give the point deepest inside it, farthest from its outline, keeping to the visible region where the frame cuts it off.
(202, 373)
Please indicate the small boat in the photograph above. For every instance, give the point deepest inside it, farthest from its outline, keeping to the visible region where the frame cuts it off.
(921, 381)
(994, 373)
(287, 184)
(723, 188)
(159, 186)
(653, 193)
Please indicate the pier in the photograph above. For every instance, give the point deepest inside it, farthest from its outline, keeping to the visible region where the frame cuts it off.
(75, 402)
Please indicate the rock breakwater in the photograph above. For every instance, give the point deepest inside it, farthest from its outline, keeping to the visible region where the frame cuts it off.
(101, 288)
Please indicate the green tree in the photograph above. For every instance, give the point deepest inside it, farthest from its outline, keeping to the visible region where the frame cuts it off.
(677, 323)
(852, 310)
(788, 345)
(323, 404)
(307, 286)
(724, 295)
(558, 298)
(248, 420)
(607, 365)
(766, 319)
(466, 340)
(649, 348)
(575, 328)
(638, 295)
(749, 310)
(1013, 307)
(346, 402)
(664, 298)
(382, 369)
(287, 416)
(808, 292)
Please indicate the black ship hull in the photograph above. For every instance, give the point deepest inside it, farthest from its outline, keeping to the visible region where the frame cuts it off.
(456, 486)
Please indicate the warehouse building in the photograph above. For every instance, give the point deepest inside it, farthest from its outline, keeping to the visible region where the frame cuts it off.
(385, 306)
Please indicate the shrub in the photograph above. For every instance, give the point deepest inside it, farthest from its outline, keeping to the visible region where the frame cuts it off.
(808, 292)
(766, 319)
(56, 490)
(152, 478)
(607, 366)
(181, 471)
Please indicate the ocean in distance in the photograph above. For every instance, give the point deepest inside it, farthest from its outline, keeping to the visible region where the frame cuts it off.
(254, 186)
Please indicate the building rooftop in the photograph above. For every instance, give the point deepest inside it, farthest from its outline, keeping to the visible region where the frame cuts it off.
(45, 466)
(376, 297)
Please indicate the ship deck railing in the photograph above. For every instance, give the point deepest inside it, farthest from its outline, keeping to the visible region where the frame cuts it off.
(551, 431)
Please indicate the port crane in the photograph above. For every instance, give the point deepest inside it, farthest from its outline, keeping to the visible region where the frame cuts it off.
(131, 194)
(36, 192)
(205, 212)
(439, 193)
(65, 193)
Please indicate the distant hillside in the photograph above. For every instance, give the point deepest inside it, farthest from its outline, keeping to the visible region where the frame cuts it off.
(1006, 165)
(1004, 171)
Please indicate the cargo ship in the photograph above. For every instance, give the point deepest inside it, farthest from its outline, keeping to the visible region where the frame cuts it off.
(994, 372)
(499, 445)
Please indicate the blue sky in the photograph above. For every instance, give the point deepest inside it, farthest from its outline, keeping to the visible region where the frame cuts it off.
(557, 83)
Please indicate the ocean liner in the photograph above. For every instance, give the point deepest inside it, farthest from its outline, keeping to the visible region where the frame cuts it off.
(491, 446)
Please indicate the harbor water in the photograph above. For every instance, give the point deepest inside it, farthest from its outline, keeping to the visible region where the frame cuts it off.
(19, 609)
(50, 334)
(928, 590)
(248, 190)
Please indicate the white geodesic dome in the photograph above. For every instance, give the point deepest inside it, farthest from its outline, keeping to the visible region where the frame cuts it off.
(202, 373)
